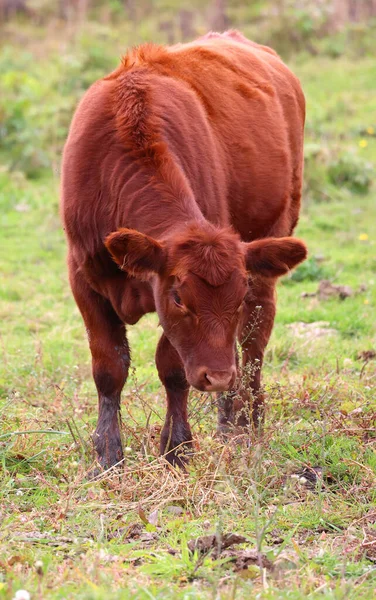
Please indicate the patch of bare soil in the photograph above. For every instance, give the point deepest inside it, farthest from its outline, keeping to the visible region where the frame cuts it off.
(368, 545)
(220, 547)
(367, 355)
(328, 290)
(312, 331)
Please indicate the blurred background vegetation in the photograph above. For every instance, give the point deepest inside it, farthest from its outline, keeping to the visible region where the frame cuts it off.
(51, 50)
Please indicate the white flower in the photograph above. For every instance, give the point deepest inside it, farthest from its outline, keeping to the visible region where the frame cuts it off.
(22, 595)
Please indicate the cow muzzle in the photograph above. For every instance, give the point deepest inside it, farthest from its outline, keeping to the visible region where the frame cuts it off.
(208, 380)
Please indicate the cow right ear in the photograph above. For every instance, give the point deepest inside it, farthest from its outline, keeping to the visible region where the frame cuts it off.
(138, 254)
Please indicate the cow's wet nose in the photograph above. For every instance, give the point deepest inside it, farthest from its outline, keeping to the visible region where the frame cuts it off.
(219, 381)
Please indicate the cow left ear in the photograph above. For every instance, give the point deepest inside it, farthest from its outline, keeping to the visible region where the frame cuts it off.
(273, 257)
(138, 254)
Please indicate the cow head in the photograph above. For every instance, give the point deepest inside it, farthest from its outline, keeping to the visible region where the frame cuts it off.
(200, 278)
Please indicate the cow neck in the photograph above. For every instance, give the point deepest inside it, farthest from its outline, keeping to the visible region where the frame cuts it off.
(161, 216)
(179, 225)
(152, 201)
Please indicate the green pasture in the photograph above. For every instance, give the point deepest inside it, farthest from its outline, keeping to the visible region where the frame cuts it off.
(126, 536)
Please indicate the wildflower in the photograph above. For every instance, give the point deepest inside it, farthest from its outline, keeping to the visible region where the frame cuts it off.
(363, 237)
(363, 143)
(366, 301)
(22, 595)
(39, 567)
(370, 130)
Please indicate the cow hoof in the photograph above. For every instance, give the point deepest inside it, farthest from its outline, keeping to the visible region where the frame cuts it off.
(176, 444)
(180, 456)
(108, 450)
(111, 462)
(235, 434)
(225, 430)
(105, 468)
(94, 474)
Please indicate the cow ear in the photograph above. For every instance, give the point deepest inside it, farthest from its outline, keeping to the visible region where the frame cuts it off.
(273, 257)
(136, 253)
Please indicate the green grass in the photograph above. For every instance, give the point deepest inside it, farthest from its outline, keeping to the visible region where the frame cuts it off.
(90, 536)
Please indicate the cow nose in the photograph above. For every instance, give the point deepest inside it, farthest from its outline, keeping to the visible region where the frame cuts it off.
(219, 381)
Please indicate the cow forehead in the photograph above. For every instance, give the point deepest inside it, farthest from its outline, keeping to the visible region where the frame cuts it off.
(207, 300)
(232, 288)
(213, 258)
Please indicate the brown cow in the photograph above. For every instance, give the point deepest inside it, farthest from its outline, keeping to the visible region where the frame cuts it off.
(184, 168)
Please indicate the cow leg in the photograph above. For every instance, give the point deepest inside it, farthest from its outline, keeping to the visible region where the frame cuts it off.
(176, 430)
(110, 364)
(226, 404)
(257, 325)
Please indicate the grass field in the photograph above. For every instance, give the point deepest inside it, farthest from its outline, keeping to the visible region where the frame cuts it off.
(303, 495)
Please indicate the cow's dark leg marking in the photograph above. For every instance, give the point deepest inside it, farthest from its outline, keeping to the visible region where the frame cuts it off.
(257, 325)
(176, 436)
(110, 364)
(227, 403)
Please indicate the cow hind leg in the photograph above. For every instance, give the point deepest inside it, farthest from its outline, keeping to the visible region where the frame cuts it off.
(110, 364)
(243, 406)
(176, 436)
(227, 403)
(258, 321)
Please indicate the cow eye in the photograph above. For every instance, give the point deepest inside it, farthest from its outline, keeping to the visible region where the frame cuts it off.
(177, 299)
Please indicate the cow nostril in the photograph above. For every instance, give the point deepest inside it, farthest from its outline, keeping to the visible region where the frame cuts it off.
(207, 379)
(219, 380)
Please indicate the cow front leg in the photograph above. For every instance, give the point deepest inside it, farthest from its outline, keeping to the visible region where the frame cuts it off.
(110, 364)
(176, 436)
(257, 325)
